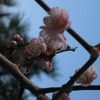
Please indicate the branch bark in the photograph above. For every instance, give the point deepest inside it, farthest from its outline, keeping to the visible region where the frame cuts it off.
(13, 69)
(75, 88)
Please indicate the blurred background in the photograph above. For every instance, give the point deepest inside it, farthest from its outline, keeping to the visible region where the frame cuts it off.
(25, 17)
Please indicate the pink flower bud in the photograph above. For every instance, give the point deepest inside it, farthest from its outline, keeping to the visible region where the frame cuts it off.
(45, 64)
(42, 97)
(87, 77)
(18, 39)
(35, 48)
(16, 36)
(65, 96)
(60, 18)
(95, 52)
(55, 24)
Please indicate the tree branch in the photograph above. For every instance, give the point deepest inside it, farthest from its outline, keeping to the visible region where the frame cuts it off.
(75, 88)
(70, 83)
(13, 69)
(43, 5)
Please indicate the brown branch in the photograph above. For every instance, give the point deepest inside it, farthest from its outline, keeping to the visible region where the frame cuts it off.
(91, 87)
(43, 5)
(13, 69)
(87, 46)
(75, 88)
(66, 86)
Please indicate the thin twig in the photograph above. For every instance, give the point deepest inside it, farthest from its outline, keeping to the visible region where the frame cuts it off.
(43, 5)
(68, 49)
(74, 78)
(87, 46)
(75, 88)
(21, 91)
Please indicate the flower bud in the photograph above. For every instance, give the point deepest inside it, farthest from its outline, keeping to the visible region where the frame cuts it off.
(53, 31)
(35, 48)
(87, 77)
(45, 64)
(13, 43)
(42, 97)
(64, 96)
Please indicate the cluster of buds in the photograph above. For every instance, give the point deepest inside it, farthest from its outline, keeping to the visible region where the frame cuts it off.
(65, 96)
(53, 31)
(87, 77)
(51, 39)
(36, 48)
(16, 41)
(42, 97)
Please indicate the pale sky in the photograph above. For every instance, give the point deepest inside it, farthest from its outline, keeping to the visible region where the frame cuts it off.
(85, 20)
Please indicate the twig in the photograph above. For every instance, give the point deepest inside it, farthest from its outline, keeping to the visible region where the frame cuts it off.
(87, 46)
(75, 88)
(43, 5)
(68, 49)
(21, 91)
(74, 78)
(91, 87)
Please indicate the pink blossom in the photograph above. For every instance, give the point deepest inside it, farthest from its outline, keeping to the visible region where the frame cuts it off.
(18, 39)
(13, 43)
(42, 97)
(56, 41)
(45, 64)
(58, 19)
(87, 77)
(65, 96)
(25, 69)
(55, 24)
(35, 48)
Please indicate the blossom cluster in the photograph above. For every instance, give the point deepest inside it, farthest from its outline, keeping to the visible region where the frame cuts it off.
(53, 31)
(16, 41)
(36, 48)
(51, 39)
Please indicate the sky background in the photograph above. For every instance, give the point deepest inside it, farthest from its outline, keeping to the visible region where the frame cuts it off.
(85, 20)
